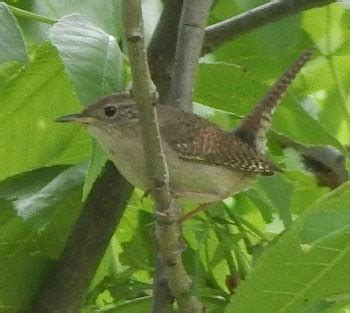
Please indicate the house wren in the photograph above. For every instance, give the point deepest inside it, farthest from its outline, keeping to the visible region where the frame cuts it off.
(205, 163)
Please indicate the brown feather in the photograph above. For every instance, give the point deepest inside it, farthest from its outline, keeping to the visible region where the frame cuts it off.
(196, 139)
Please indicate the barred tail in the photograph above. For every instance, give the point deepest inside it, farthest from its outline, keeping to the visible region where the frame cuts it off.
(253, 127)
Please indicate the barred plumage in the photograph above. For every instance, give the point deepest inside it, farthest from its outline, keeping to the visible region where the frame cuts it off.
(253, 127)
(196, 139)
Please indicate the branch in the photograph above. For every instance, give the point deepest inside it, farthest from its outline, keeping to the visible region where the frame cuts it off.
(218, 34)
(191, 33)
(326, 163)
(70, 278)
(161, 59)
(167, 212)
(162, 297)
(190, 38)
(144, 93)
(161, 49)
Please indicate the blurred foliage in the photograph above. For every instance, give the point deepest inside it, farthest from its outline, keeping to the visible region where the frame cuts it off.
(282, 246)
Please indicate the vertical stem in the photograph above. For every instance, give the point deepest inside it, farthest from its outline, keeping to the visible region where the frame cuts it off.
(189, 45)
(161, 49)
(167, 230)
(162, 296)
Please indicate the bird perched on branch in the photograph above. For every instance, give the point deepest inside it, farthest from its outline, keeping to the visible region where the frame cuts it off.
(205, 163)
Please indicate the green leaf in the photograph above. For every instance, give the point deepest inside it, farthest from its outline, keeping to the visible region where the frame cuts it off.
(36, 217)
(21, 264)
(140, 244)
(104, 14)
(261, 203)
(46, 200)
(91, 57)
(8, 71)
(266, 51)
(280, 191)
(12, 45)
(32, 207)
(97, 159)
(306, 264)
(29, 104)
(330, 31)
(221, 10)
(306, 191)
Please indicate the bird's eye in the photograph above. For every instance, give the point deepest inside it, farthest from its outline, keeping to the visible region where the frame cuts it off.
(110, 111)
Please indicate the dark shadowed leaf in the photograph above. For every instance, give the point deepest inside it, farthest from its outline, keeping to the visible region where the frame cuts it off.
(37, 212)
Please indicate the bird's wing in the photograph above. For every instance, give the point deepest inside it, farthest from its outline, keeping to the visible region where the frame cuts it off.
(196, 139)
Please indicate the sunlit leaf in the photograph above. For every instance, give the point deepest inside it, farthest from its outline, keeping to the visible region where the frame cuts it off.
(29, 105)
(306, 264)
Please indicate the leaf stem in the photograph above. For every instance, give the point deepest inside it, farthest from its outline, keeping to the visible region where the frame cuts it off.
(240, 220)
(32, 16)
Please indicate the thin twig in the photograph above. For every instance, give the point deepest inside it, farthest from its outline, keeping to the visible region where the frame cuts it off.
(144, 93)
(227, 30)
(70, 279)
(167, 230)
(191, 33)
(161, 59)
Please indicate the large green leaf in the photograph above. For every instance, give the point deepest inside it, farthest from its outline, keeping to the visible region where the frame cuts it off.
(29, 104)
(104, 14)
(12, 45)
(8, 71)
(37, 213)
(222, 9)
(139, 225)
(309, 264)
(264, 52)
(280, 191)
(91, 57)
(21, 262)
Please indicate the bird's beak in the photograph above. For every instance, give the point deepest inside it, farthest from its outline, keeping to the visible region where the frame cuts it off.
(76, 118)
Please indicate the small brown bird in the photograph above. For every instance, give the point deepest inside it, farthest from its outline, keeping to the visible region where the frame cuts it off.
(205, 163)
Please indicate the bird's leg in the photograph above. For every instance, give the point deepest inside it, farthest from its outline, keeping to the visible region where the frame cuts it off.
(188, 215)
